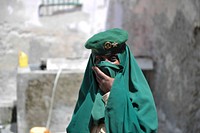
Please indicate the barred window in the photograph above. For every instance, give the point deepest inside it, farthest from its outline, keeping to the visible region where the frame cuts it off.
(51, 7)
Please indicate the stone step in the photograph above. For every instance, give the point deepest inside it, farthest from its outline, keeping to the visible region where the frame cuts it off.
(6, 111)
(8, 128)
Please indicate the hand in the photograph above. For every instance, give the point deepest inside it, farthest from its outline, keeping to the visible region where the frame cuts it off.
(105, 82)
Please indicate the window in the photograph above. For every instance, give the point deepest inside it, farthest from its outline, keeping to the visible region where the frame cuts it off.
(51, 7)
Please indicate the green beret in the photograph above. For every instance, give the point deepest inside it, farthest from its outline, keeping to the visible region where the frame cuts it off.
(108, 42)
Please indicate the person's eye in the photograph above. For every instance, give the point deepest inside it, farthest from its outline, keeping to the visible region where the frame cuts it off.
(98, 59)
(113, 58)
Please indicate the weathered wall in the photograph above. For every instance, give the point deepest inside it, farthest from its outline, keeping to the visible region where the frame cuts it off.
(168, 32)
(60, 35)
(34, 99)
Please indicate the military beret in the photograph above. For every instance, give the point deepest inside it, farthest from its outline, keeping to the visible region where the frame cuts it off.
(108, 42)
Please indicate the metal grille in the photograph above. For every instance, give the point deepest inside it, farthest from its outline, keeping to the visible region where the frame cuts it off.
(51, 7)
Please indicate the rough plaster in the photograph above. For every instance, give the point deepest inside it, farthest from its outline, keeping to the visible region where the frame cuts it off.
(34, 96)
(39, 37)
(165, 31)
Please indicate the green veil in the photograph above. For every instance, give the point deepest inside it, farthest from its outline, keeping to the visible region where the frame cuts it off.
(130, 107)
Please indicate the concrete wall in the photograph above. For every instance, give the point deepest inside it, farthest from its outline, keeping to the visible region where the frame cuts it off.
(169, 33)
(61, 35)
(34, 98)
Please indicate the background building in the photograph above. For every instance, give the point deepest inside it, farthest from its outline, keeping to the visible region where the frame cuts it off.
(167, 32)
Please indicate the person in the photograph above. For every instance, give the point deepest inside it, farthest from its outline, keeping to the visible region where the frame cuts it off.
(114, 96)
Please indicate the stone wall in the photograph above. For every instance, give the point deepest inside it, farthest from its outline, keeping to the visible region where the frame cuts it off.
(169, 33)
(34, 99)
(61, 35)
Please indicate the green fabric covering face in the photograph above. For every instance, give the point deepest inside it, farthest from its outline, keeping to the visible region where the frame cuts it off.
(130, 107)
(98, 110)
(109, 69)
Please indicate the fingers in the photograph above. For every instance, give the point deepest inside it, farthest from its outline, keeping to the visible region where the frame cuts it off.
(99, 74)
(98, 77)
(105, 82)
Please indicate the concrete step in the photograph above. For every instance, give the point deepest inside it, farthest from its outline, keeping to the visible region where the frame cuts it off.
(8, 128)
(7, 111)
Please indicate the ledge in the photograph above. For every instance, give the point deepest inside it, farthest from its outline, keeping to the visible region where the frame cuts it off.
(75, 65)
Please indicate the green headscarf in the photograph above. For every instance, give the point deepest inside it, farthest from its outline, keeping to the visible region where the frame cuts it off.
(130, 107)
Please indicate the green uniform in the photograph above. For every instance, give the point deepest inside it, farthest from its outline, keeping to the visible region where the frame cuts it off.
(130, 107)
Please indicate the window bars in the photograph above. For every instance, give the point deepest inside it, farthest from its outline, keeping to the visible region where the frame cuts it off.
(50, 7)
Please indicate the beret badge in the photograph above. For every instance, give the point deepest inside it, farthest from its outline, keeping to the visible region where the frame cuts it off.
(109, 45)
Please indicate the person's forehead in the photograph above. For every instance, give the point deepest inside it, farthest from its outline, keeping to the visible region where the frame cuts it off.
(105, 56)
